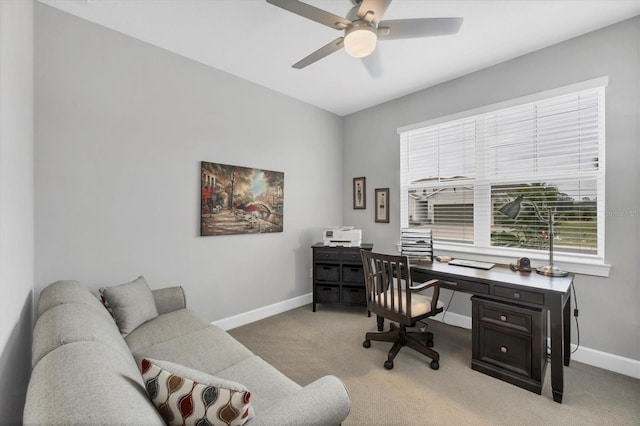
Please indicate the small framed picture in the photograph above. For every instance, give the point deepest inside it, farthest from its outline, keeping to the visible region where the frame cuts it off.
(382, 205)
(359, 193)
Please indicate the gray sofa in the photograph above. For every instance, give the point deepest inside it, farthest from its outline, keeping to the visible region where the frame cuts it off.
(85, 372)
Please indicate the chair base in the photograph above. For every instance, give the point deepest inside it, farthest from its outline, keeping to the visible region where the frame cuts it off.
(421, 342)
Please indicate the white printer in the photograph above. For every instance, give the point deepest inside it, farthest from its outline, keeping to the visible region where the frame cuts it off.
(344, 236)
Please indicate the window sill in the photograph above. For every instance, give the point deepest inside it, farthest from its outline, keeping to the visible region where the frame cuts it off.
(586, 265)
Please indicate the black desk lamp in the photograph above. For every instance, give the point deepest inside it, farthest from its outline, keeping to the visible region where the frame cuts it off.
(512, 210)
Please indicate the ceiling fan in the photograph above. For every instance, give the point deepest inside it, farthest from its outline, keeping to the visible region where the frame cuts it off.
(363, 27)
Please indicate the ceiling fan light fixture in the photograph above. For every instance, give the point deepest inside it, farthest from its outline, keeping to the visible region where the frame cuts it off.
(360, 39)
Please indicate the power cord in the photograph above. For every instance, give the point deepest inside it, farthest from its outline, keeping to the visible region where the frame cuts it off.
(444, 313)
(575, 316)
(576, 311)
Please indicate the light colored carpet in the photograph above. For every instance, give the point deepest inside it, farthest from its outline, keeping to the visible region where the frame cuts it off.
(305, 346)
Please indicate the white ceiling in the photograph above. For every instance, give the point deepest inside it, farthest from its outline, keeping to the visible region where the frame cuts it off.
(259, 42)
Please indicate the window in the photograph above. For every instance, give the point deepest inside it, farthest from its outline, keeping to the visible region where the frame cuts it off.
(458, 171)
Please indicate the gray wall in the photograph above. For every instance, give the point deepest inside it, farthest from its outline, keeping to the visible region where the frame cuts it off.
(609, 307)
(121, 127)
(16, 204)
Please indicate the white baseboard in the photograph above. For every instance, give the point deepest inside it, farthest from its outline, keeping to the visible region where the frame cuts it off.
(607, 361)
(611, 362)
(264, 312)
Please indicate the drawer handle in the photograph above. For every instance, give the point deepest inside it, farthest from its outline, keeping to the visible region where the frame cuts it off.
(516, 295)
(503, 317)
(354, 269)
(503, 349)
(451, 283)
(326, 268)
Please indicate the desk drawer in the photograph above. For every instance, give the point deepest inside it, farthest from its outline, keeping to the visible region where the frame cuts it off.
(502, 315)
(327, 273)
(509, 342)
(468, 286)
(520, 295)
(508, 351)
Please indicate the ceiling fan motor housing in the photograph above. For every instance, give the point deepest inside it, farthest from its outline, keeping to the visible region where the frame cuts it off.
(360, 39)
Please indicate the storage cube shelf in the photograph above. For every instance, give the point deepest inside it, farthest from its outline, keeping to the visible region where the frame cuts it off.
(338, 276)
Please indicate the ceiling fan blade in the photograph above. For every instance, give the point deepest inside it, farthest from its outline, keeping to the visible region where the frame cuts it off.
(313, 13)
(414, 28)
(325, 50)
(372, 10)
(373, 64)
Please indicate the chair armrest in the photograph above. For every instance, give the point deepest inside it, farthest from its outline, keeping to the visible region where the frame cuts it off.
(323, 402)
(425, 285)
(169, 299)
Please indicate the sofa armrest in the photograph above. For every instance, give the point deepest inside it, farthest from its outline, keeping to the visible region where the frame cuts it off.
(169, 299)
(323, 402)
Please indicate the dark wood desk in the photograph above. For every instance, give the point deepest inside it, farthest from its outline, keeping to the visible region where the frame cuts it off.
(528, 289)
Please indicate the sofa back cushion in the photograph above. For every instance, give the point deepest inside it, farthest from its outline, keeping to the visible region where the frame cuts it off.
(75, 322)
(87, 383)
(68, 291)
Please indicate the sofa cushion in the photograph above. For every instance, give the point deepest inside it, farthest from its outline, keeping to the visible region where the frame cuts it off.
(164, 328)
(208, 349)
(74, 322)
(68, 291)
(267, 384)
(185, 396)
(87, 383)
(131, 304)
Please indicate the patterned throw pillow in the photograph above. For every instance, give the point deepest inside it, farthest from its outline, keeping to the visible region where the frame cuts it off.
(184, 396)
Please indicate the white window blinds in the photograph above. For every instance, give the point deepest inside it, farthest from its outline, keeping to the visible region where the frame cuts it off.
(457, 173)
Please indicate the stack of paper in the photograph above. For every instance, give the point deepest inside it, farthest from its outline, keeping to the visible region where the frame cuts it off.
(416, 243)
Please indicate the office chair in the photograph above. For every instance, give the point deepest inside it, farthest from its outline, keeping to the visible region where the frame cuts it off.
(391, 295)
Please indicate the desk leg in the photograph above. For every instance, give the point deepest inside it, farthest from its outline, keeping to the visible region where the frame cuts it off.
(567, 330)
(557, 314)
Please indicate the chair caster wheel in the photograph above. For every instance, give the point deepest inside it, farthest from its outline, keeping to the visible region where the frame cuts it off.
(434, 365)
(366, 344)
(430, 343)
(388, 365)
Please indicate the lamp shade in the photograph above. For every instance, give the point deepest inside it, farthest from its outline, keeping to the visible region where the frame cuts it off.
(512, 208)
(360, 40)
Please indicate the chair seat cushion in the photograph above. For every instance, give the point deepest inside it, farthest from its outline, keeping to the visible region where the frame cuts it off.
(420, 303)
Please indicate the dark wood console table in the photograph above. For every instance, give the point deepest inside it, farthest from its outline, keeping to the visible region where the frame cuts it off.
(507, 287)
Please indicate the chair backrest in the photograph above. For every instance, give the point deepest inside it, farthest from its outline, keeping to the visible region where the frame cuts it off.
(387, 280)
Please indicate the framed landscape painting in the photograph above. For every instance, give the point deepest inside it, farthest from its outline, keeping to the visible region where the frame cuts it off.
(240, 200)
